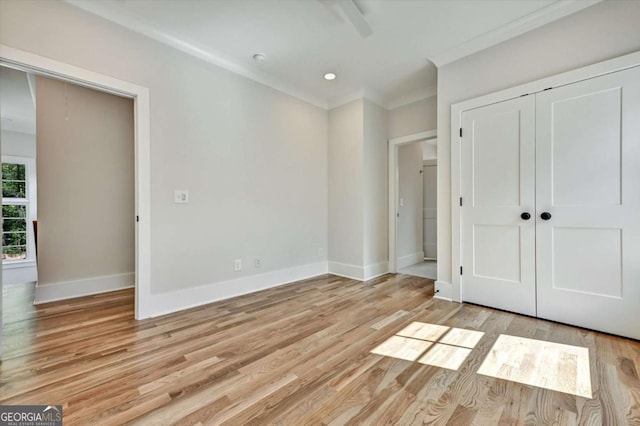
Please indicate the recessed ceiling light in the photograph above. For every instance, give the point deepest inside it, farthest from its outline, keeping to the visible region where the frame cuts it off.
(259, 57)
(330, 76)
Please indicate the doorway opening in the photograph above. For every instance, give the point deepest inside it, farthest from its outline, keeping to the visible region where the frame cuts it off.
(37, 65)
(19, 192)
(80, 143)
(413, 205)
(428, 181)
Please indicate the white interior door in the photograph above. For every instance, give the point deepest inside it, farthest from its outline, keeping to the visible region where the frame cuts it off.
(498, 172)
(588, 180)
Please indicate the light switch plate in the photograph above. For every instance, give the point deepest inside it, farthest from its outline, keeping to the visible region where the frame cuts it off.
(181, 196)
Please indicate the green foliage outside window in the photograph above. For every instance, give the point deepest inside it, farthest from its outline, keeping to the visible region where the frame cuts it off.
(14, 183)
(14, 225)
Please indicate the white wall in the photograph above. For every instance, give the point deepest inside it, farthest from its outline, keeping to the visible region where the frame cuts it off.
(606, 30)
(346, 185)
(18, 144)
(253, 159)
(413, 118)
(376, 239)
(410, 222)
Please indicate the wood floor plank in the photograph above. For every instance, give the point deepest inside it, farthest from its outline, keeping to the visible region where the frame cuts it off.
(301, 354)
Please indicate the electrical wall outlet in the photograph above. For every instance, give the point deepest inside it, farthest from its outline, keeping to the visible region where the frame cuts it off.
(181, 196)
(238, 265)
(258, 262)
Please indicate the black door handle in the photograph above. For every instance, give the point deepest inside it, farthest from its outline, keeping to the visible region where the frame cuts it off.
(545, 216)
(525, 216)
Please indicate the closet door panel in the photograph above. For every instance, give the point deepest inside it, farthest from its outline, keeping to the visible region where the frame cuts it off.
(588, 180)
(498, 164)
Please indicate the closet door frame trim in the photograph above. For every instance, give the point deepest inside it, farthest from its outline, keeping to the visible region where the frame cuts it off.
(610, 66)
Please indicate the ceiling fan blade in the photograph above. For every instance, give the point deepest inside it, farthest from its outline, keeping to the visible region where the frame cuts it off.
(353, 15)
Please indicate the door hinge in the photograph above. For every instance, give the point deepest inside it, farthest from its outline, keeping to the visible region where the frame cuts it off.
(460, 201)
(137, 218)
(460, 131)
(461, 270)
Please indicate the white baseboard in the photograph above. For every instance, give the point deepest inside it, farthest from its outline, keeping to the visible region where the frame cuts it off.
(410, 259)
(375, 270)
(437, 296)
(359, 273)
(354, 272)
(166, 303)
(86, 287)
(444, 291)
(19, 273)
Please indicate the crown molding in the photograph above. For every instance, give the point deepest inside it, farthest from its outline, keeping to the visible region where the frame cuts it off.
(379, 100)
(338, 102)
(116, 13)
(374, 97)
(370, 95)
(513, 29)
(416, 96)
(113, 13)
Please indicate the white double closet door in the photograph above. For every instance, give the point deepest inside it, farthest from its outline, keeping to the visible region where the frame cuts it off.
(569, 157)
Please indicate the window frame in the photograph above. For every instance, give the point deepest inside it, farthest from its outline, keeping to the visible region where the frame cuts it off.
(31, 203)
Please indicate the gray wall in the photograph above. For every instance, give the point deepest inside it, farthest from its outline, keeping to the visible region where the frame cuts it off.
(85, 183)
(430, 205)
(413, 118)
(346, 184)
(604, 31)
(358, 190)
(376, 182)
(253, 159)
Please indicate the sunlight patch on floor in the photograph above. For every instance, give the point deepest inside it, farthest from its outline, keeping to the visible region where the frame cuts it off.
(431, 344)
(548, 365)
(423, 331)
(445, 356)
(402, 348)
(460, 337)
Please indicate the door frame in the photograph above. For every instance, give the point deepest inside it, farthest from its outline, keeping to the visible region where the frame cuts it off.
(573, 76)
(25, 61)
(394, 144)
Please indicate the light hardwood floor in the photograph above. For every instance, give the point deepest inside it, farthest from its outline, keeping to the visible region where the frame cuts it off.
(296, 355)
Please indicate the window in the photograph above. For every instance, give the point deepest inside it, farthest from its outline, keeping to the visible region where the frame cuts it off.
(18, 209)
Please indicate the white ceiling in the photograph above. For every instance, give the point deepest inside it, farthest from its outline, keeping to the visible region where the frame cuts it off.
(17, 110)
(303, 39)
